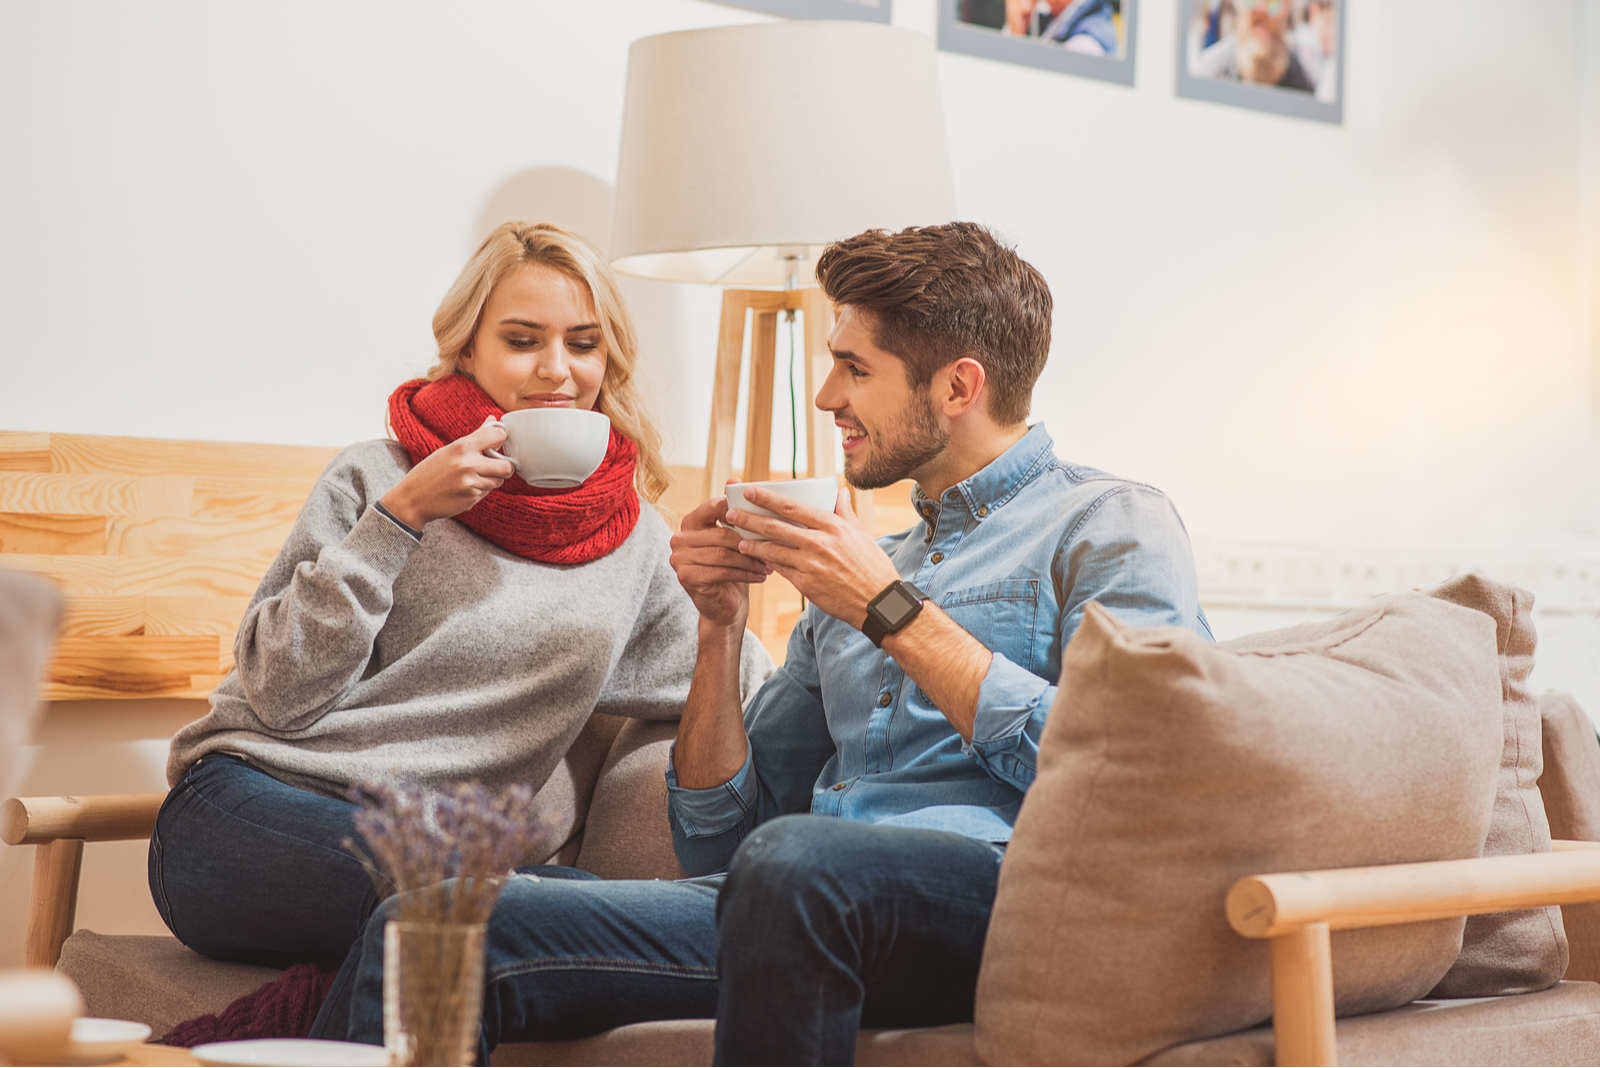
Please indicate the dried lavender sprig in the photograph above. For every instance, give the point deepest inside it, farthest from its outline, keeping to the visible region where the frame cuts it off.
(447, 853)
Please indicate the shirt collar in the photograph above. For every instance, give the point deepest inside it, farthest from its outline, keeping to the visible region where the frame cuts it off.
(998, 482)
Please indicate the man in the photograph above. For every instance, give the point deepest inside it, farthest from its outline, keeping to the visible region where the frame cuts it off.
(860, 804)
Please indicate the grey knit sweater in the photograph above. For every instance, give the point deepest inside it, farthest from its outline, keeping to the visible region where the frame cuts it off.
(366, 651)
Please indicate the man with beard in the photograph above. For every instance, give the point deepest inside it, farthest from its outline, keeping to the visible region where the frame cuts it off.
(844, 830)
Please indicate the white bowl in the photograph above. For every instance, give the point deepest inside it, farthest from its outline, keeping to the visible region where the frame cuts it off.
(555, 448)
(289, 1051)
(96, 1041)
(820, 493)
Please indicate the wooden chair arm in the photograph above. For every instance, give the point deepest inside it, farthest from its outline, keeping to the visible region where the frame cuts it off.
(1297, 911)
(58, 827)
(95, 818)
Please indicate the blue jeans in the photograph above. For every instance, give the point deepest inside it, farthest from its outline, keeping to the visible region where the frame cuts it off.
(821, 926)
(246, 868)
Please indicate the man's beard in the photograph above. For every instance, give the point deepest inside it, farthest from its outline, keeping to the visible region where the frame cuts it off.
(914, 439)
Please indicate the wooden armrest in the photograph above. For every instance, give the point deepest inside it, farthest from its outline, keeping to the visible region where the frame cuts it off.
(58, 827)
(1298, 910)
(95, 818)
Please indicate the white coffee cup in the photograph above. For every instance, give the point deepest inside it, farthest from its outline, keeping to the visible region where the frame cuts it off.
(820, 493)
(553, 448)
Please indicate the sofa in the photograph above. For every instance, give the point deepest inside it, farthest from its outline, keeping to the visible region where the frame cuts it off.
(1261, 852)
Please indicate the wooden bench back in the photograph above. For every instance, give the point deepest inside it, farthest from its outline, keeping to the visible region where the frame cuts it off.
(158, 545)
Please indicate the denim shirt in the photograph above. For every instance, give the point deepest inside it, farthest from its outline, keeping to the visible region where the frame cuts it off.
(1012, 554)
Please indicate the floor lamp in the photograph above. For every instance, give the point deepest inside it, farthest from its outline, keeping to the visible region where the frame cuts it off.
(745, 151)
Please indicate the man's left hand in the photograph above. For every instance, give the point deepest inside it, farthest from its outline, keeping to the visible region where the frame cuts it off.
(830, 557)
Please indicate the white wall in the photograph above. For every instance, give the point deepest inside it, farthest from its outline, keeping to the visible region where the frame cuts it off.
(234, 222)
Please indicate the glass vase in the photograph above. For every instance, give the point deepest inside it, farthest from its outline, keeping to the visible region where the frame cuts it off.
(432, 992)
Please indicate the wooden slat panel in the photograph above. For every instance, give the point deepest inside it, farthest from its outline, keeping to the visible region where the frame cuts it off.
(185, 576)
(81, 453)
(244, 539)
(135, 666)
(194, 615)
(91, 616)
(96, 494)
(128, 576)
(24, 451)
(247, 502)
(81, 576)
(80, 535)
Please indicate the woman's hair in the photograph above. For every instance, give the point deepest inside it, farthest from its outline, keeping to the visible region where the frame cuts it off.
(517, 244)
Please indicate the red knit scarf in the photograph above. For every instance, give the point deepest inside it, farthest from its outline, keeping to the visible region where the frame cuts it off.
(553, 526)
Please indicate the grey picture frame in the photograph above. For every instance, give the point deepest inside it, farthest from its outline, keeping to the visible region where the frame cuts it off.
(855, 10)
(956, 35)
(1295, 103)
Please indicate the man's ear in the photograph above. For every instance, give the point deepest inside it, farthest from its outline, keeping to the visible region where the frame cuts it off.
(958, 387)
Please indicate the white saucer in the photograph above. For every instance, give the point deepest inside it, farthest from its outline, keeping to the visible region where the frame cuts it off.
(96, 1041)
(289, 1051)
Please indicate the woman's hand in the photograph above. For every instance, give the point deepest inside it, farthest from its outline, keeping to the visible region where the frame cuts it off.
(450, 480)
(711, 568)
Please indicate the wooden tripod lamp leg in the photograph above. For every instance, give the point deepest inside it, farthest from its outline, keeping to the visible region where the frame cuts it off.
(725, 392)
(1302, 997)
(54, 905)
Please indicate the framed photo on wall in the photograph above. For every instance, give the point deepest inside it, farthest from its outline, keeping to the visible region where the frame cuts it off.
(859, 10)
(1089, 38)
(1283, 56)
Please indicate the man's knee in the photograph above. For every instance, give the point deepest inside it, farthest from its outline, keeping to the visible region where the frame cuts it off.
(786, 863)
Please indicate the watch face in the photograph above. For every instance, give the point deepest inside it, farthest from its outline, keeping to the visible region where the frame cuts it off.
(896, 606)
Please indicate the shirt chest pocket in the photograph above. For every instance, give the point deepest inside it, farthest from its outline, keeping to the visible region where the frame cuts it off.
(1002, 616)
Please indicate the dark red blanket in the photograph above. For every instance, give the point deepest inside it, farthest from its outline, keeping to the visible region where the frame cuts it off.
(283, 1008)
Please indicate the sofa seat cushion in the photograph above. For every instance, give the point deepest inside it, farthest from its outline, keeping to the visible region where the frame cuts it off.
(154, 979)
(1560, 1025)
(690, 1042)
(1170, 768)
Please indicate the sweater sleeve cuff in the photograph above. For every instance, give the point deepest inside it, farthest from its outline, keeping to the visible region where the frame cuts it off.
(380, 542)
(390, 516)
(713, 811)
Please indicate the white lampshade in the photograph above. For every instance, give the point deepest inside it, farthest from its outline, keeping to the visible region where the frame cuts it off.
(744, 147)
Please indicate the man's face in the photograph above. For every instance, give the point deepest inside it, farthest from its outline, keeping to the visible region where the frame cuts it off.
(890, 430)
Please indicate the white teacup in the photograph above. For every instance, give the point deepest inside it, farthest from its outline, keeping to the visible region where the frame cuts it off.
(553, 448)
(820, 493)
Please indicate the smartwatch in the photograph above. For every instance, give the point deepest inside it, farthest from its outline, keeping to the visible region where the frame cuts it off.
(892, 609)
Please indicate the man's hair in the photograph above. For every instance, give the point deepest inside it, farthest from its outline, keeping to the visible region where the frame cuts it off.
(936, 294)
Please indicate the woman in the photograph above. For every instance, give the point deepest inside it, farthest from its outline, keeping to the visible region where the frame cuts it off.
(432, 615)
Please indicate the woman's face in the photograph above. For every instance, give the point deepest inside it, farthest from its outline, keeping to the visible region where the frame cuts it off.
(538, 344)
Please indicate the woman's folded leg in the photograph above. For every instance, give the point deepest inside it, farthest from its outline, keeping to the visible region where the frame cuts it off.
(244, 867)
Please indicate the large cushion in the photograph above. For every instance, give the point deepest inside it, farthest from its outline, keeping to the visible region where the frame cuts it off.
(1509, 952)
(154, 979)
(1571, 788)
(626, 835)
(1556, 1026)
(1170, 768)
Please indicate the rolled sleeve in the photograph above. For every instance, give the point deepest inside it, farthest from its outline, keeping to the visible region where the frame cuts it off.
(716, 809)
(1012, 705)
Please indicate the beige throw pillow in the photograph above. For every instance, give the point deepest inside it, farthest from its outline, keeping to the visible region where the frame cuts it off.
(1170, 768)
(1509, 952)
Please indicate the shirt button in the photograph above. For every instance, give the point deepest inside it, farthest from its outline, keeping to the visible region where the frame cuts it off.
(983, 510)
(883, 700)
(936, 557)
(838, 786)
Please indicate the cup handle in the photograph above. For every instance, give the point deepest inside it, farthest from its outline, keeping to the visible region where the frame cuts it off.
(492, 421)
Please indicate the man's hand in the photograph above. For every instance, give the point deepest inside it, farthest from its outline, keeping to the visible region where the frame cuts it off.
(450, 480)
(830, 558)
(710, 567)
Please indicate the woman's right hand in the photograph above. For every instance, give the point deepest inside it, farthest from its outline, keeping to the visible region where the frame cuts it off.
(710, 567)
(450, 480)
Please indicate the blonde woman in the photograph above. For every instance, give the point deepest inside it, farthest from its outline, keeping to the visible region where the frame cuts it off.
(432, 614)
